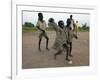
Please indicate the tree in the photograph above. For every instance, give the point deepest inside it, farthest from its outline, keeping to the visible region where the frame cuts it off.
(85, 27)
(28, 24)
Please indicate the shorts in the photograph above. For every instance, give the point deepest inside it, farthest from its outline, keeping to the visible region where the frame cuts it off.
(43, 34)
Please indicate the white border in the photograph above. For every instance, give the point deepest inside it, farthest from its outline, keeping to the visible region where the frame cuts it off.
(17, 72)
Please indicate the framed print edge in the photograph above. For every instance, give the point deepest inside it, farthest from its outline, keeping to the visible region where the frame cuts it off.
(18, 73)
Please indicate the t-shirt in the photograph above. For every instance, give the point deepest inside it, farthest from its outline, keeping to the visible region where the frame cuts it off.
(60, 38)
(53, 26)
(69, 34)
(71, 23)
(42, 25)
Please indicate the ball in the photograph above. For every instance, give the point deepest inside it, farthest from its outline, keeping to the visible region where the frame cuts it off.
(70, 62)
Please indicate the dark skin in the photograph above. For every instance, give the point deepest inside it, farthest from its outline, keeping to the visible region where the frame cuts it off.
(51, 20)
(70, 43)
(75, 36)
(60, 52)
(40, 17)
(71, 18)
(61, 25)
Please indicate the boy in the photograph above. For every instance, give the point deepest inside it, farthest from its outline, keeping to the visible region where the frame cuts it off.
(70, 29)
(73, 26)
(41, 25)
(60, 40)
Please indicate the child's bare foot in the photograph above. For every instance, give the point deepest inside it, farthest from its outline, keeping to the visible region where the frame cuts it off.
(75, 36)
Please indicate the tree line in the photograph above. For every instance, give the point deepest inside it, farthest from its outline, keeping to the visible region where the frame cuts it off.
(29, 24)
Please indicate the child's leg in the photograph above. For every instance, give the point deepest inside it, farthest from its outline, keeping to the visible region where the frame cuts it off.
(66, 47)
(58, 53)
(39, 43)
(47, 40)
(70, 49)
(75, 36)
(40, 39)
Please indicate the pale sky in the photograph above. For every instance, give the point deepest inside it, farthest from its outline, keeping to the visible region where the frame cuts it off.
(33, 17)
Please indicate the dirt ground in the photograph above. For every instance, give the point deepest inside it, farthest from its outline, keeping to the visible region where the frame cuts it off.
(32, 58)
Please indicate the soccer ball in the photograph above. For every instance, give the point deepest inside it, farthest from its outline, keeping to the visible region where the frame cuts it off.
(70, 62)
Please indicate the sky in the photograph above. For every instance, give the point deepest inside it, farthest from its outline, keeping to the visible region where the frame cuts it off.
(33, 17)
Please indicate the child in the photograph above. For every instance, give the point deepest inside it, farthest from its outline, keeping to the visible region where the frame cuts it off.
(70, 31)
(73, 26)
(41, 25)
(60, 41)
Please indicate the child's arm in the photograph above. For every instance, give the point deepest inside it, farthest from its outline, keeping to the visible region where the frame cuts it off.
(75, 28)
(39, 28)
(75, 31)
(53, 26)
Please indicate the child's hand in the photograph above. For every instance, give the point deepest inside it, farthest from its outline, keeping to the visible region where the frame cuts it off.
(43, 31)
(75, 36)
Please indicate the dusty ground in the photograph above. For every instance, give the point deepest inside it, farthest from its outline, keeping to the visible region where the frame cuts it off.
(32, 58)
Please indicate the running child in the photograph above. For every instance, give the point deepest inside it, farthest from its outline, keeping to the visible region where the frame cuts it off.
(70, 29)
(61, 38)
(41, 25)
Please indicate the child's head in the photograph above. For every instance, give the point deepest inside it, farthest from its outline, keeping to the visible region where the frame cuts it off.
(51, 20)
(76, 21)
(68, 22)
(40, 16)
(71, 16)
(61, 24)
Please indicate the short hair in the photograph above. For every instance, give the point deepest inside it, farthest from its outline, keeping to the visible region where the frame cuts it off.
(76, 21)
(39, 14)
(59, 22)
(68, 21)
(71, 15)
(51, 20)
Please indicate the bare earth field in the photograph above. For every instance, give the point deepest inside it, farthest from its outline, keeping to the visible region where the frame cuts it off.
(32, 58)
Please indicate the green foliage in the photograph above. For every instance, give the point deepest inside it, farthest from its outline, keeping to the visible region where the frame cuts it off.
(84, 28)
(29, 29)
(28, 24)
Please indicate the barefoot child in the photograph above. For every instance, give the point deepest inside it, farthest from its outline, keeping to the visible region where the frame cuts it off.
(60, 40)
(73, 26)
(71, 31)
(41, 25)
